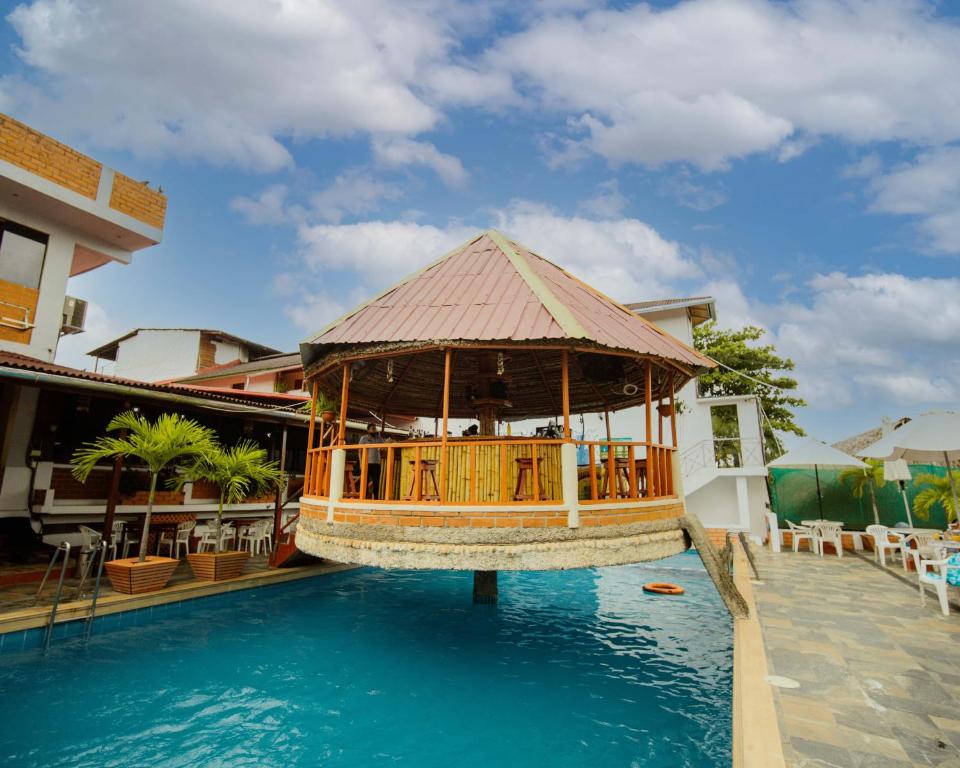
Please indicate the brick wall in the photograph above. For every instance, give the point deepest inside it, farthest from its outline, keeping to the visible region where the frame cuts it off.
(67, 486)
(39, 154)
(138, 200)
(21, 296)
(521, 517)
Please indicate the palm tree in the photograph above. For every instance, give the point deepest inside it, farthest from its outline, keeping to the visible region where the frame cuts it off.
(862, 479)
(238, 472)
(156, 443)
(937, 491)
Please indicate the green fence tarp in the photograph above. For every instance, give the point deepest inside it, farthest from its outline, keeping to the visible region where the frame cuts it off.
(793, 496)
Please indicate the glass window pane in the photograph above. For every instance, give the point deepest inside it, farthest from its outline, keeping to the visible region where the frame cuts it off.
(21, 259)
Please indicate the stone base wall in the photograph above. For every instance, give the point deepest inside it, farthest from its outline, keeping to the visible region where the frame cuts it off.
(654, 533)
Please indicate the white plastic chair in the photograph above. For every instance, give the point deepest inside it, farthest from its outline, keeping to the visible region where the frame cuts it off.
(881, 543)
(208, 537)
(828, 533)
(116, 534)
(254, 536)
(181, 538)
(798, 532)
(926, 547)
(90, 538)
(939, 574)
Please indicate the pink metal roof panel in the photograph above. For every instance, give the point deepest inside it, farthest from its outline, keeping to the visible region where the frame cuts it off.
(479, 292)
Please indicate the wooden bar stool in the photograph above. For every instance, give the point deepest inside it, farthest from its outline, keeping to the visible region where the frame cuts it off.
(520, 492)
(428, 475)
(349, 486)
(622, 468)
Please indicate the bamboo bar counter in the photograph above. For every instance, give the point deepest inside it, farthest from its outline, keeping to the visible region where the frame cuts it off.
(493, 332)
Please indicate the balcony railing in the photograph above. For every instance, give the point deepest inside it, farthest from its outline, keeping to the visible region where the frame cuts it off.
(492, 471)
(722, 453)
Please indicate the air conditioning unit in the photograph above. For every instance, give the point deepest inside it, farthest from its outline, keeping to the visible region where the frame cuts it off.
(74, 315)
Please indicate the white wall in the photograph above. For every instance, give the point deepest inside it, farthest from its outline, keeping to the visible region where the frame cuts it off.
(158, 355)
(14, 494)
(228, 351)
(53, 285)
(718, 506)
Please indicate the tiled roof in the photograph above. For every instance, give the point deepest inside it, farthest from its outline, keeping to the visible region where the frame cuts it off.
(493, 289)
(271, 362)
(240, 397)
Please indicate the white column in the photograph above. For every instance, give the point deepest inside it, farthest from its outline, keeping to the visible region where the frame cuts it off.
(338, 463)
(743, 504)
(568, 475)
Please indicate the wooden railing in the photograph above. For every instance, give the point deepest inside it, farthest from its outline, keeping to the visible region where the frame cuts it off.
(618, 470)
(492, 471)
(456, 471)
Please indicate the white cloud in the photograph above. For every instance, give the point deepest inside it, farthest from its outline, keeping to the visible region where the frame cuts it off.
(228, 82)
(379, 251)
(887, 335)
(400, 152)
(269, 207)
(607, 203)
(701, 81)
(625, 258)
(353, 192)
(708, 81)
(929, 188)
(313, 311)
(691, 194)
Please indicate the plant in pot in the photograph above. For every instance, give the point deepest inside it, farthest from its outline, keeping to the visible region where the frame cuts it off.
(158, 444)
(238, 473)
(327, 407)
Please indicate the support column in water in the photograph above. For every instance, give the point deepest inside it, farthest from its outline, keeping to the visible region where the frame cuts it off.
(485, 587)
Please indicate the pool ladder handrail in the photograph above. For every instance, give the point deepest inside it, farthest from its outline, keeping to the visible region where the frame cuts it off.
(64, 546)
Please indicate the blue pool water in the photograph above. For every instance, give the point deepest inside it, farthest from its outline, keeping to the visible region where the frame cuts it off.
(377, 668)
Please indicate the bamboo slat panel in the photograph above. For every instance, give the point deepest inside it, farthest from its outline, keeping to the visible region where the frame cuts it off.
(488, 481)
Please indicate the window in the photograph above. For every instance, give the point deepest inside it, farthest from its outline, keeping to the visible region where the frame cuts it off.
(21, 254)
(726, 435)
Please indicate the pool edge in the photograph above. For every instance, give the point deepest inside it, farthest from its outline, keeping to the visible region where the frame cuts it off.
(756, 729)
(34, 618)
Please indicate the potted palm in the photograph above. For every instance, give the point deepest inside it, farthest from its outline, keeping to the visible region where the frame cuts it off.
(158, 444)
(238, 473)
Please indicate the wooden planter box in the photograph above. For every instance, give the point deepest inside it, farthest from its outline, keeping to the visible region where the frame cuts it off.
(131, 577)
(209, 566)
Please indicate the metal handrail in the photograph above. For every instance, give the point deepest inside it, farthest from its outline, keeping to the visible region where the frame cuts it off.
(64, 547)
(88, 625)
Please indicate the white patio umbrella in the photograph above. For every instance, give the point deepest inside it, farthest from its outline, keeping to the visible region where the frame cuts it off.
(813, 453)
(932, 437)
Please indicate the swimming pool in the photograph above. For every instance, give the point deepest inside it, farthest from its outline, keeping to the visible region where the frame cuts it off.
(377, 668)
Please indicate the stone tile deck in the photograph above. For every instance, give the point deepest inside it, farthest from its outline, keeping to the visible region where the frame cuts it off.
(879, 674)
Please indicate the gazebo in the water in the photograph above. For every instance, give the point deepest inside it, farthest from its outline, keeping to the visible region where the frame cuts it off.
(494, 332)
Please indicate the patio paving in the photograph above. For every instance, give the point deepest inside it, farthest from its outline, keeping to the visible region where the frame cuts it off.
(879, 674)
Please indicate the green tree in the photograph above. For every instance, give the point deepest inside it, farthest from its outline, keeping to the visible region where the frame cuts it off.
(238, 472)
(936, 492)
(860, 480)
(158, 444)
(736, 349)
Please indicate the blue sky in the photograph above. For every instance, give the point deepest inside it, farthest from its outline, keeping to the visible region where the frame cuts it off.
(799, 161)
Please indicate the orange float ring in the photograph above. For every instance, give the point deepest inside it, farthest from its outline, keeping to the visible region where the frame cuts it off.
(662, 588)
